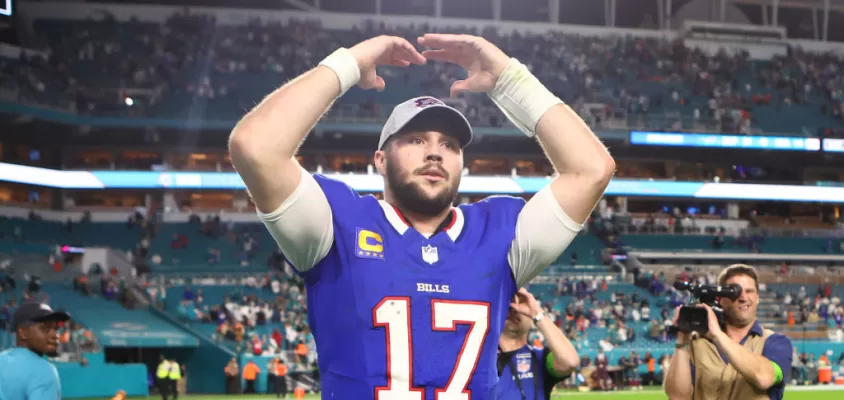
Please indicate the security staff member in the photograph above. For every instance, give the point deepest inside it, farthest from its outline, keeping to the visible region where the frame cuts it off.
(174, 376)
(280, 378)
(162, 378)
(24, 373)
(526, 373)
(742, 362)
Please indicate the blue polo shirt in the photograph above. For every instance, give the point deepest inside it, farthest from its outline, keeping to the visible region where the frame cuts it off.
(777, 348)
(25, 375)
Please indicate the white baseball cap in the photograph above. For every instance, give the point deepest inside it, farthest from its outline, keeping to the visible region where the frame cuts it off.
(432, 108)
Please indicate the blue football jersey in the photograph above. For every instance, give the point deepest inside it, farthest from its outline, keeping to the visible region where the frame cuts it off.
(396, 315)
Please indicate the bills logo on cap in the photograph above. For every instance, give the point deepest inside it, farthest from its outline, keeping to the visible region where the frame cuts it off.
(523, 365)
(427, 102)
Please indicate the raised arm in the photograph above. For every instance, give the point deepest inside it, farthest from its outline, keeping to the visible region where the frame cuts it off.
(563, 355)
(678, 379)
(263, 144)
(552, 218)
(679, 384)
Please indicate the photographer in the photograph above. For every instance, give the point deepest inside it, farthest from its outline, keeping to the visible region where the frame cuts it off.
(741, 362)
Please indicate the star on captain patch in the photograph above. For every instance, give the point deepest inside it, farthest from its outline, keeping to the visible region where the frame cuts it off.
(429, 254)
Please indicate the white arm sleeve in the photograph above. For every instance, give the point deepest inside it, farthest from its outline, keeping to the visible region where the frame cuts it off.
(543, 231)
(302, 225)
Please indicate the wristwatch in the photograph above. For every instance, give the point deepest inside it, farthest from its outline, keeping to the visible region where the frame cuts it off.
(681, 346)
(538, 317)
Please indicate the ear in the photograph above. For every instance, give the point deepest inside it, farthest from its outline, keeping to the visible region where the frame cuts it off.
(23, 333)
(380, 161)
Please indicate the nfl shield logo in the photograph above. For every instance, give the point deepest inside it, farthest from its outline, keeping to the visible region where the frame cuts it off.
(429, 254)
(523, 365)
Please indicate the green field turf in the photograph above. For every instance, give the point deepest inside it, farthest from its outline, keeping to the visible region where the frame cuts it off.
(623, 395)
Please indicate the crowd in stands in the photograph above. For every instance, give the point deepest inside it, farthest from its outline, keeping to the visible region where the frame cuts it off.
(190, 56)
(824, 306)
(107, 284)
(266, 316)
(74, 338)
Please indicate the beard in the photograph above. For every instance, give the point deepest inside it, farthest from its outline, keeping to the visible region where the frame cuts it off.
(413, 198)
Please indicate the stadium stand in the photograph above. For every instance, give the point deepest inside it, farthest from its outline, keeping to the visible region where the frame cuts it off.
(649, 83)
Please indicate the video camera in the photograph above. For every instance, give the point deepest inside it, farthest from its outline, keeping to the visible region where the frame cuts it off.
(695, 319)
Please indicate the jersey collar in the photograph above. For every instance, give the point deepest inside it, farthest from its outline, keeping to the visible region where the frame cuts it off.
(452, 226)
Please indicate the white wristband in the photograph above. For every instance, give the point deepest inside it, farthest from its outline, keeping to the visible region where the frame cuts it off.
(345, 66)
(522, 97)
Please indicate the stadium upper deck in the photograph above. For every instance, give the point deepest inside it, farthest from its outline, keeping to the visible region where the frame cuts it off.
(171, 63)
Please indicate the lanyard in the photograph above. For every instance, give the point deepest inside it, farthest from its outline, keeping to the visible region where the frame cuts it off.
(515, 372)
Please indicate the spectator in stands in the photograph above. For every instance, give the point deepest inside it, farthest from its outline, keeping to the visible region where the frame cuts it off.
(80, 283)
(239, 332)
(276, 337)
(646, 311)
(581, 342)
(631, 335)
(606, 344)
(188, 294)
(257, 345)
(655, 331)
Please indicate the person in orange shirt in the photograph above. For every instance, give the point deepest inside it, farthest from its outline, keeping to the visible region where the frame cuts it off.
(250, 374)
(280, 379)
(121, 395)
(650, 361)
(301, 352)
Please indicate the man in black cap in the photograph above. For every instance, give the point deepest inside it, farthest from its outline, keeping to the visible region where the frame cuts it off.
(24, 372)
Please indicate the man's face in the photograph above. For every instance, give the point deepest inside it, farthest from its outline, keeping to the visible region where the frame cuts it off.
(423, 170)
(517, 324)
(41, 336)
(742, 311)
